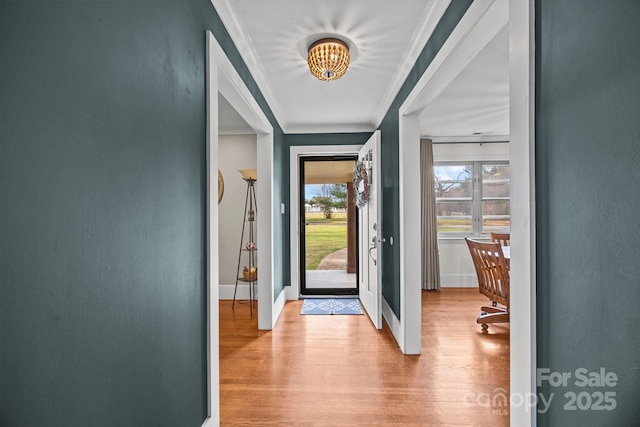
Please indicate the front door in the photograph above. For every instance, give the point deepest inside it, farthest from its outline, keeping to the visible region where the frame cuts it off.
(327, 226)
(367, 186)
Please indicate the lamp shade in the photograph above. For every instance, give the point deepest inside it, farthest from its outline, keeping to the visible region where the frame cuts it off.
(328, 59)
(249, 174)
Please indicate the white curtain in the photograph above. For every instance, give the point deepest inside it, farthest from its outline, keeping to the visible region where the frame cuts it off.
(430, 257)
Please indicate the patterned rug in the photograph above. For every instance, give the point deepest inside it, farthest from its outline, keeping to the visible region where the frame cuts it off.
(331, 306)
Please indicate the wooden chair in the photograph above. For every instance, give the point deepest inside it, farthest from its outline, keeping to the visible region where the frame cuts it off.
(493, 280)
(503, 238)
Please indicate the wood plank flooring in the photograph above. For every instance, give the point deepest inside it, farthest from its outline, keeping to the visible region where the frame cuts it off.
(339, 371)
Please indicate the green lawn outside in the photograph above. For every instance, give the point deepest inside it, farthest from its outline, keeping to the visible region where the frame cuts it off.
(322, 239)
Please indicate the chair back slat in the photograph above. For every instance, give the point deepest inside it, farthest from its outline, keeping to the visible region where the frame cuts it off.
(492, 270)
(503, 238)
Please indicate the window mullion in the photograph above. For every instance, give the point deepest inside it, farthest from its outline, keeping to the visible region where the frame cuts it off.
(477, 198)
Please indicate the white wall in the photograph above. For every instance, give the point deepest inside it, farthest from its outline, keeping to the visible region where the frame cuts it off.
(235, 152)
(456, 267)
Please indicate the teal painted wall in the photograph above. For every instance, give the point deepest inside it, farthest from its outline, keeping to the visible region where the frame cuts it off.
(102, 216)
(102, 182)
(293, 140)
(390, 153)
(587, 202)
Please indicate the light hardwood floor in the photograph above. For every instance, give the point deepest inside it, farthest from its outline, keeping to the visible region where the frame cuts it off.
(339, 371)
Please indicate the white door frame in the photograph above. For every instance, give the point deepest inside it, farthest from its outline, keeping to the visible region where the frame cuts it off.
(371, 301)
(222, 77)
(479, 25)
(293, 291)
(478, 22)
(523, 220)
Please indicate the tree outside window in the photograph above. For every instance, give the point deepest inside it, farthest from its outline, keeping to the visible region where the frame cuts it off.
(332, 196)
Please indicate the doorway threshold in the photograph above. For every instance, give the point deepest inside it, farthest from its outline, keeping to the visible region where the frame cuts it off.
(328, 296)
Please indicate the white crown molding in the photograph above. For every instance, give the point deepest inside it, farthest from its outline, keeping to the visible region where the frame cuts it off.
(330, 128)
(248, 53)
(468, 138)
(427, 24)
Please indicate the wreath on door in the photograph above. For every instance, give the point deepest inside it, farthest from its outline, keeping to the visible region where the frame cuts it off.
(361, 184)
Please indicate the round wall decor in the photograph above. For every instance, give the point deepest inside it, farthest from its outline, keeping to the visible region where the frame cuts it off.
(220, 186)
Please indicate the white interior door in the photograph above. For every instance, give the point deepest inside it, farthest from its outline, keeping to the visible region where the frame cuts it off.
(370, 231)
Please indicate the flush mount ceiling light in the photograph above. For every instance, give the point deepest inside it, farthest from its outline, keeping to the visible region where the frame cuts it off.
(328, 58)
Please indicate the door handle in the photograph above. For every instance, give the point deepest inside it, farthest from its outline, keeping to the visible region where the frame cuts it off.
(372, 247)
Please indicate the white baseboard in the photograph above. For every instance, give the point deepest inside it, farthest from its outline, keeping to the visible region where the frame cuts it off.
(278, 306)
(208, 422)
(290, 294)
(394, 323)
(226, 291)
(458, 281)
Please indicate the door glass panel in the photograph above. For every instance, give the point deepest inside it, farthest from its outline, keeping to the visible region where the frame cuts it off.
(329, 227)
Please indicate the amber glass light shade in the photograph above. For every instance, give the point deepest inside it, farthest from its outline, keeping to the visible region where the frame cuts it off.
(328, 59)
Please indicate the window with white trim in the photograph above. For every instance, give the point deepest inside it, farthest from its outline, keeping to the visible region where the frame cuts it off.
(472, 198)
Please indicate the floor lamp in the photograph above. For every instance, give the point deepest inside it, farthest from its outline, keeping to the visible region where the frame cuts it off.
(249, 273)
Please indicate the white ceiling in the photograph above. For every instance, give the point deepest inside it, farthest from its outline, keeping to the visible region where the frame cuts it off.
(385, 40)
(230, 122)
(477, 100)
